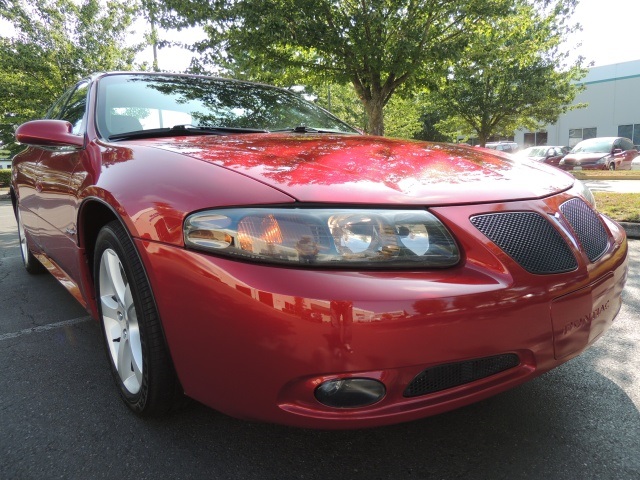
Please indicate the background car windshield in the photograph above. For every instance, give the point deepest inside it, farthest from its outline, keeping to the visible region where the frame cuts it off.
(593, 146)
(128, 103)
(537, 152)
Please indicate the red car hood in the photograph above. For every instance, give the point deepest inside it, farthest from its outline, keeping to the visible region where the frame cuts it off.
(373, 170)
(586, 157)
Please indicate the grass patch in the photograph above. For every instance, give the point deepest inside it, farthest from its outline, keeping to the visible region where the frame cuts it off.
(622, 207)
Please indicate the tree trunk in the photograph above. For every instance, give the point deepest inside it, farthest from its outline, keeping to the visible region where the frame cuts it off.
(483, 135)
(375, 116)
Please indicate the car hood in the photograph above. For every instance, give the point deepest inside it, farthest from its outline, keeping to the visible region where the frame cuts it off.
(329, 168)
(584, 157)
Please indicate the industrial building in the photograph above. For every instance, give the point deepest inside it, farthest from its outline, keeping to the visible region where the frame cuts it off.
(612, 96)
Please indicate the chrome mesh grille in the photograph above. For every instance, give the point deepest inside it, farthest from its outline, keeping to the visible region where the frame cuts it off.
(587, 226)
(451, 375)
(529, 239)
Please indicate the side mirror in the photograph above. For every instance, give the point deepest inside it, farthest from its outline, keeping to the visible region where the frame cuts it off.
(48, 133)
(616, 151)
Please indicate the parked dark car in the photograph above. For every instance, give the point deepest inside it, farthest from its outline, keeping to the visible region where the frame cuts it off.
(246, 248)
(604, 153)
(550, 155)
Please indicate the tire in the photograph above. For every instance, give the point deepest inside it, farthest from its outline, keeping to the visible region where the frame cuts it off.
(31, 264)
(130, 324)
(612, 166)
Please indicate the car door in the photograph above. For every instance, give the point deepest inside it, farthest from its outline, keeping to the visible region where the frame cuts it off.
(28, 181)
(58, 202)
(629, 153)
(617, 155)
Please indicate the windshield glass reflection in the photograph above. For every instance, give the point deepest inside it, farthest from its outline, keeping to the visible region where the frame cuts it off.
(130, 103)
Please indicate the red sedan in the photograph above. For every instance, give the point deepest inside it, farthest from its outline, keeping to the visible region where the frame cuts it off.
(606, 153)
(246, 248)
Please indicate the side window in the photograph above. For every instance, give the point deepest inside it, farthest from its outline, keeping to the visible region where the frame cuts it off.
(618, 144)
(75, 108)
(627, 145)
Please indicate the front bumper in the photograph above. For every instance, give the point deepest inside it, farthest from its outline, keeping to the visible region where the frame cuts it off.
(255, 341)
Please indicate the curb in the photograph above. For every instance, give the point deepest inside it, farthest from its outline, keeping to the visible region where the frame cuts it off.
(632, 229)
(607, 177)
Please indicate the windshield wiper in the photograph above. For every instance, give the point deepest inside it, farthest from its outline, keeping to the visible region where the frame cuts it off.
(304, 129)
(180, 130)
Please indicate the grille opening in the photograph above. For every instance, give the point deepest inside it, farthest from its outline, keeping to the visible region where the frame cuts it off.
(529, 239)
(587, 226)
(441, 377)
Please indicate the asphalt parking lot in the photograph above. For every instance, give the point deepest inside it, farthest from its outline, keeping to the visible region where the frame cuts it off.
(60, 416)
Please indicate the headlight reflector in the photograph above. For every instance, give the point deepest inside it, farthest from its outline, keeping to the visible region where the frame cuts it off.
(324, 237)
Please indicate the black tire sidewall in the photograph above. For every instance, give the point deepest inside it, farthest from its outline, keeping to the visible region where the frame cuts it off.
(112, 236)
(30, 262)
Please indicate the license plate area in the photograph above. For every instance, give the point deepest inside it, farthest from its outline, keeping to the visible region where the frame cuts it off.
(580, 317)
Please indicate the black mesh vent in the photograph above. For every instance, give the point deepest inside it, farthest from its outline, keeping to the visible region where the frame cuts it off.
(529, 239)
(587, 226)
(451, 375)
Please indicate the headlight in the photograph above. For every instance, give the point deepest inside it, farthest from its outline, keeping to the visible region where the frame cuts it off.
(324, 237)
(579, 189)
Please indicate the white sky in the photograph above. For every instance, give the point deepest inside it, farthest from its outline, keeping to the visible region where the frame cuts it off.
(610, 31)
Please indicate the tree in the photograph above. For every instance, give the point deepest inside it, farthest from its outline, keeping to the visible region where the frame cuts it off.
(56, 43)
(512, 74)
(377, 46)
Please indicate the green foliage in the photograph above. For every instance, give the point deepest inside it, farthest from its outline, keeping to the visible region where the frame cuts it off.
(402, 117)
(5, 177)
(377, 46)
(511, 74)
(57, 42)
(342, 101)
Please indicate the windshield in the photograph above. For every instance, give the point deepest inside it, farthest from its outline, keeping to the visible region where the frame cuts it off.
(131, 103)
(594, 145)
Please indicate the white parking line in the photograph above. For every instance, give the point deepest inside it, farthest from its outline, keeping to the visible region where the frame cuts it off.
(44, 328)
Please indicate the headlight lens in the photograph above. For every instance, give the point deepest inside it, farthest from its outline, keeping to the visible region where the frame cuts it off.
(581, 190)
(323, 237)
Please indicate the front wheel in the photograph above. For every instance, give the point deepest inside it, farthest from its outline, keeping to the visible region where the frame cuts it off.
(133, 337)
(612, 166)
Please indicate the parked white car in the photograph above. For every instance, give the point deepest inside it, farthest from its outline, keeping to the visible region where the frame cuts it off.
(509, 147)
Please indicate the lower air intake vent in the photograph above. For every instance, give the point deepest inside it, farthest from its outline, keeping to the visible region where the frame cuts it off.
(588, 227)
(529, 239)
(439, 378)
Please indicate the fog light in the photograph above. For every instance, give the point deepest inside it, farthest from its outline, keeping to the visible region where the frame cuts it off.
(350, 392)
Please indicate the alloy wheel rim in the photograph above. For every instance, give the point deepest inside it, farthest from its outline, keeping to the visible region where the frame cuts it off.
(120, 321)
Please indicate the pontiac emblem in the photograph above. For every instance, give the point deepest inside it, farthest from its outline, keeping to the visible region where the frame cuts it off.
(585, 319)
